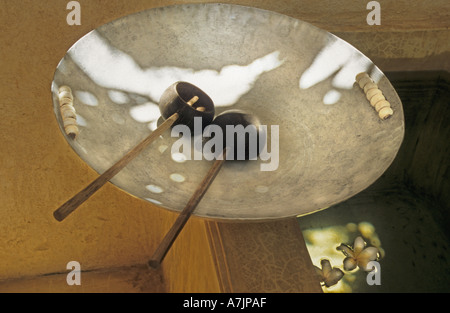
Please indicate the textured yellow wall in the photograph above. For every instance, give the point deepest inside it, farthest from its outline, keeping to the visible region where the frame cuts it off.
(39, 171)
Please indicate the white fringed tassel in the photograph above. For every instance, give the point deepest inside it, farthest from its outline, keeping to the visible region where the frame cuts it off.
(68, 112)
(374, 95)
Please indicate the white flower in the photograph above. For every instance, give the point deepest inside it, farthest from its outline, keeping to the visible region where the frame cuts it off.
(328, 276)
(358, 255)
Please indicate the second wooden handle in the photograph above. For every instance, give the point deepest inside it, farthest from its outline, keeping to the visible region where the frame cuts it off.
(170, 237)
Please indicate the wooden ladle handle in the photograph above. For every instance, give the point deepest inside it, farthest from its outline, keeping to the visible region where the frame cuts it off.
(170, 237)
(63, 211)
